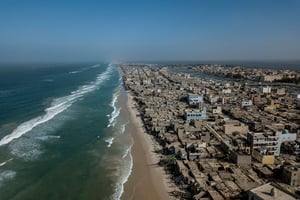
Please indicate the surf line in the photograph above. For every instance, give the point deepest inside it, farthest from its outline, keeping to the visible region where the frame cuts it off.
(58, 105)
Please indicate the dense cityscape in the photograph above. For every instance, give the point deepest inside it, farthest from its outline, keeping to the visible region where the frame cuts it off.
(233, 135)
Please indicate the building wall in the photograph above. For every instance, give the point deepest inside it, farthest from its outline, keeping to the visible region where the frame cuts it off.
(264, 159)
(290, 175)
(240, 159)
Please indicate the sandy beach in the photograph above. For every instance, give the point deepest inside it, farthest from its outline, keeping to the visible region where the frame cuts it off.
(148, 180)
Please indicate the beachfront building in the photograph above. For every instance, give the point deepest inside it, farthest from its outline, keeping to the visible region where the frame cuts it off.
(195, 114)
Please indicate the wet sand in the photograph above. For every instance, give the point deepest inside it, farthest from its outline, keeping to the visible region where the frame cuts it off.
(148, 180)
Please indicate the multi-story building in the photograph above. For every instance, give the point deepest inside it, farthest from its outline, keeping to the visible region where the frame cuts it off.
(266, 90)
(269, 143)
(195, 114)
(246, 103)
(194, 99)
(291, 175)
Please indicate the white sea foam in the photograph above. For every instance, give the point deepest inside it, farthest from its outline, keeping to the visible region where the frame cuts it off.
(127, 151)
(84, 69)
(109, 141)
(74, 72)
(120, 186)
(116, 111)
(46, 137)
(27, 149)
(113, 118)
(95, 66)
(6, 176)
(123, 127)
(57, 106)
(4, 163)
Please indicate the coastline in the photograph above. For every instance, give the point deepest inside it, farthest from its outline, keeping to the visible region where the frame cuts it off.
(148, 180)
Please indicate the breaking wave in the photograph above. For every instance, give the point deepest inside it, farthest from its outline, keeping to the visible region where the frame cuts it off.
(58, 105)
(116, 111)
(127, 157)
(84, 69)
(109, 141)
(122, 128)
(74, 72)
(4, 163)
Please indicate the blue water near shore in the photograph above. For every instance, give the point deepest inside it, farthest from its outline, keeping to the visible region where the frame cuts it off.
(62, 133)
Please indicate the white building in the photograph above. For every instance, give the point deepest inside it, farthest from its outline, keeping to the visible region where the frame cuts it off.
(195, 99)
(217, 110)
(246, 103)
(226, 91)
(266, 90)
(269, 144)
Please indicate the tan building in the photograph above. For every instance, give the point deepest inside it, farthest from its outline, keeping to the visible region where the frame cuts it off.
(235, 126)
(291, 175)
(269, 191)
(271, 77)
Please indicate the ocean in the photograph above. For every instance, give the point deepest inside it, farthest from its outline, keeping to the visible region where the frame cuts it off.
(62, 132)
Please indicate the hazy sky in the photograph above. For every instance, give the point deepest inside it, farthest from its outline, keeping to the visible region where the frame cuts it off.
(149, 30)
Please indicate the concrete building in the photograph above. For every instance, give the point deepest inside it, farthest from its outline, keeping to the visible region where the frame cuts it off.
(280, 91)
(271, 77)
(291, 175)
(269, 143)
(212, 99)
(266, 90)
(195, 114)
(263, 158)
(235, 126)
(246, 103)
(256, 98)
(226, 91)
(217, 110)
(194, 99)
(269, 191)
(239, 158)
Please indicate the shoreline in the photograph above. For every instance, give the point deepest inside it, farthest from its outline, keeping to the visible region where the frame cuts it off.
(148, 180)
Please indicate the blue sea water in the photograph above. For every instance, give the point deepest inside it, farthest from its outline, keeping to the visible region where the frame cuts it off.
(62, 132)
